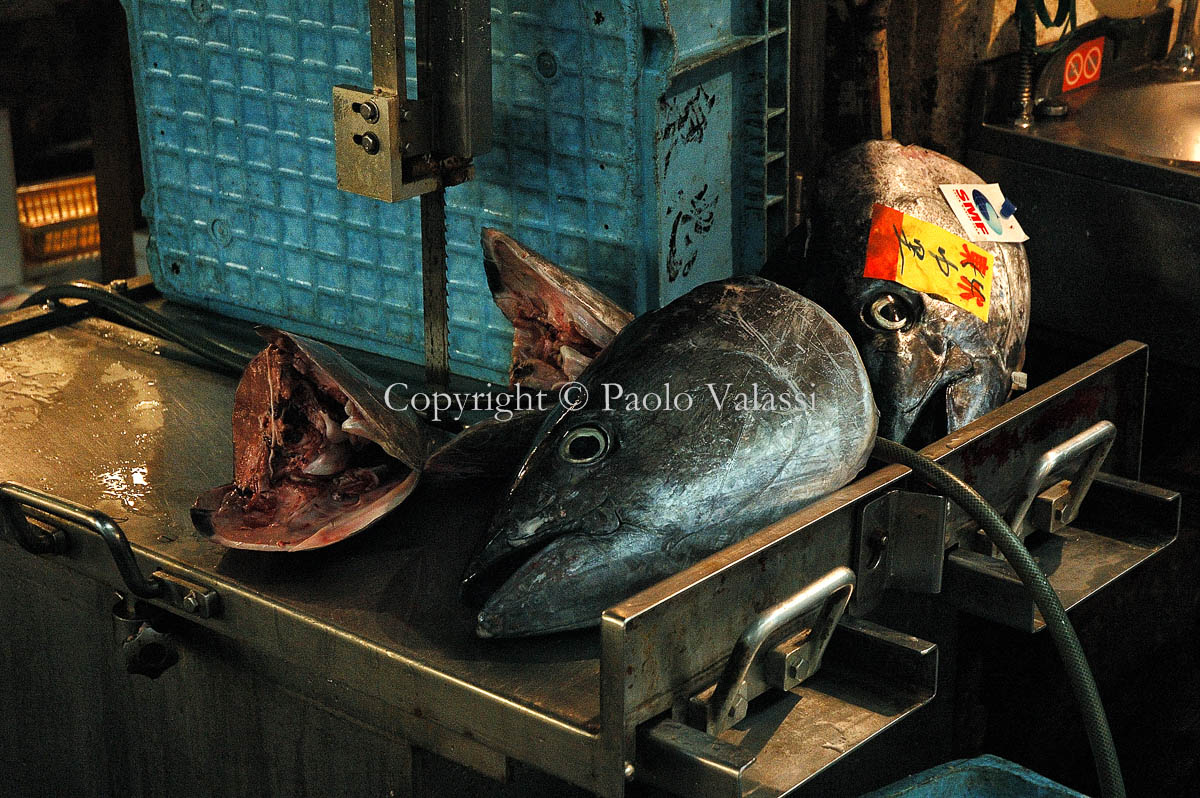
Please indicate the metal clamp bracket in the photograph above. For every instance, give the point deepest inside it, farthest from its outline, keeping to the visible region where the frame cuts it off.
(392, 148)
(39, 523)
(901, 544)
(873, 678)
(766, 655)
(1048, 505)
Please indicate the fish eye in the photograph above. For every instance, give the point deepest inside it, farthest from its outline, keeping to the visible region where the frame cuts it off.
(888, 312)
(584, 445)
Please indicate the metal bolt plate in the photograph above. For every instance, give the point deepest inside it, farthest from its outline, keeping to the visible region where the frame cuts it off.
(371, 155)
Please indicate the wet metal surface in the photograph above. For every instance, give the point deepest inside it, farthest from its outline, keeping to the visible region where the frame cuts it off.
(92, 414)
(1142, 114)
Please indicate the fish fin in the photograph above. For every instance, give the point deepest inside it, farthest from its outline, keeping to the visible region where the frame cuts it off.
(550, 311)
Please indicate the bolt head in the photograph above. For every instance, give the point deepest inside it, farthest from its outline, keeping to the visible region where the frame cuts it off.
(738, 709)
(369, 111)
(547, 64)
(191, 602)
(370, 143)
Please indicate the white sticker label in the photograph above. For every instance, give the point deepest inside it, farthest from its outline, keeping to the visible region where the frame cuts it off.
(984, 213)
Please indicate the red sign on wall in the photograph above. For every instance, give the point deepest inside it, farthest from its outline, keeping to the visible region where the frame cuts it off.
(1083, 64)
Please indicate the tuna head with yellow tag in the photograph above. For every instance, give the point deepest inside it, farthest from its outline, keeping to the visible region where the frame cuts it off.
(940, 321)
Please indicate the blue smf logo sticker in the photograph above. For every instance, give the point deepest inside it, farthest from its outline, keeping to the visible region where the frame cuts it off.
(989, 214)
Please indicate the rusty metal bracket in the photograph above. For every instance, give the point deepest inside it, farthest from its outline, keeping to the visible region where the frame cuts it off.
(872, 679)
(900, 546)
(766, 655)
(1125, 523)
(681, 756)
(40, 523)
(379, 143)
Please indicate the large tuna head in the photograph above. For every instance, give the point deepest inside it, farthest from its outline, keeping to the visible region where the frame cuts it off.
(701, 422)
(934, 367)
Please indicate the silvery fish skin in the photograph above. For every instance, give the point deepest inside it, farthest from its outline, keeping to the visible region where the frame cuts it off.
(945, 367)
(611, 499)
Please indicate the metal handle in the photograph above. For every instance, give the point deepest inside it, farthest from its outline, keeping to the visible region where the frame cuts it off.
(14, 496)
(1097, 439)
(830, 593)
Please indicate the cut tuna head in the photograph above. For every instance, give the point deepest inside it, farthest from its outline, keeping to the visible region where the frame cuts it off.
(559, 323)
(317, 455)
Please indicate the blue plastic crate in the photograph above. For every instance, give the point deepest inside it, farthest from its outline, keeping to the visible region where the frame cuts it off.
(641, 143)
(982, 777)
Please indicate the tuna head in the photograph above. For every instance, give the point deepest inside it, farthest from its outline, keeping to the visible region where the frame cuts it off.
(933, 366)
(701, 422)
(318, 456)
(559, 323)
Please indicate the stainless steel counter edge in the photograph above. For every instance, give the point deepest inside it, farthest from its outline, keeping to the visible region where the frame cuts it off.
(422, 695)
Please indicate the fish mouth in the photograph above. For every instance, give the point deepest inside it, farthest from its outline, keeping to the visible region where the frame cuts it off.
(911, 416)
(923, 421)
(504, 555)
(928, 421)
(514, 545)
(568, 582)
(493, 623)
(962, 401)
(560, 324)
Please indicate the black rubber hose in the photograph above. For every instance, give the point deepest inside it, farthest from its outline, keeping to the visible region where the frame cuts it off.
(142, 318)
(1083, 684)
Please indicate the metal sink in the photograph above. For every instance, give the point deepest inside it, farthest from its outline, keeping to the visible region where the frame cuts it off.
(1142, 114)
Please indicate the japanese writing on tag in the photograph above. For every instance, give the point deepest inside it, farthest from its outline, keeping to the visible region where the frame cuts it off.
(929, 259)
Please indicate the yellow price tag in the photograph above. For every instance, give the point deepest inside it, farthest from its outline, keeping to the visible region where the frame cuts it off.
(927, 258)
